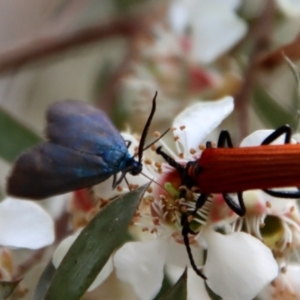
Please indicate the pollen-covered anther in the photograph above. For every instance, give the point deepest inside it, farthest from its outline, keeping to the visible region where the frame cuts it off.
(174, 234)
(176, 138)
(177, 202)
(156, 134)
(162, 197)
(119, 188)
(159, 171)
(292, 209)
(182, 188)
(154, 230)
(201, 147)
(273, 283)
(190, 218)
(182, 127)
(157, 164)
(283, 270)
(173, 220)
(288, 245)
(153, 147)
(183, 209)
(149, 189)
(144, 229)
(137, 215)
(156, 221)
(193, 151)
(195, 189)
(149, 199)
(268, 204)
(181, 155)
(147, 161)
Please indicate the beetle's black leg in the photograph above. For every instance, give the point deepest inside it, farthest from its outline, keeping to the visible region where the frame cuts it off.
(284, 129)
(185, 233)
(238, 209)
(283, 194)
(224, 139)
(200, 202)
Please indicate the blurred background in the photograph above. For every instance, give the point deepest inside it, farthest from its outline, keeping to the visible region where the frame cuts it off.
(116, 54)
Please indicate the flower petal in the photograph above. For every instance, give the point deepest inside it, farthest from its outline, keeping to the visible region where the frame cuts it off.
(64, 247)
(201, 119)
(178, 17)
(141, 264)
(178, 257)
(216, 31)
(236, 260)
(286, 285)
(25, 224)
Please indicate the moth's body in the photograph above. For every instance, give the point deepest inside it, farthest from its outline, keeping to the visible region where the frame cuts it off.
(83, 149)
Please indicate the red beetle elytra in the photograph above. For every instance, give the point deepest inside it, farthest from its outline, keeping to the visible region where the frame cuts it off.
(234, 170)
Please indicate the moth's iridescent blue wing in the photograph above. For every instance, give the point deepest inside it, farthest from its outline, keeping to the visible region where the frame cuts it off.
(79, 126)
(50, 169)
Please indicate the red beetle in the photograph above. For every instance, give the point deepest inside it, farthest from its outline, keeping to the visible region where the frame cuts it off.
(233, 170)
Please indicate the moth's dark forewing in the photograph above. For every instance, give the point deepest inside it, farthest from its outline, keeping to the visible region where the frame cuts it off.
(79, 126)
(49, 169)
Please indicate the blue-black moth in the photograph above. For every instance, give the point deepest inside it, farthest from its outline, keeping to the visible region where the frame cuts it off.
(83, 149)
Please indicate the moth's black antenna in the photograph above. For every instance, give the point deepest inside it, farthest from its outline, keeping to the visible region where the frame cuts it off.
(146, 129)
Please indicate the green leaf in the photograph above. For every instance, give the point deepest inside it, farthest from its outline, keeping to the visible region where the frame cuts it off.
(6, 288)
(44, 282)
(166, 285)
(296, 73)
(15, 137)
(93, 247)
(211, 294)
(179, 290)
(269, 110)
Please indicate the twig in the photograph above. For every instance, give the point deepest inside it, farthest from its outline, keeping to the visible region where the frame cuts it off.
(275, 58)
(45, 46)
(260, 34)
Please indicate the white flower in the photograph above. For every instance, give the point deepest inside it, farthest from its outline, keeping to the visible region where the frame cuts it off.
(146, 260)
(24, 224)
(215, 26)
(291, 8)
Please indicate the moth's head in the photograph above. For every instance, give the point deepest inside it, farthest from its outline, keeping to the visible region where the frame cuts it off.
(135, 168)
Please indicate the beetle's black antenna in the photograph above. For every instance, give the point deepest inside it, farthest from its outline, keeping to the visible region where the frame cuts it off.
(146, 128)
